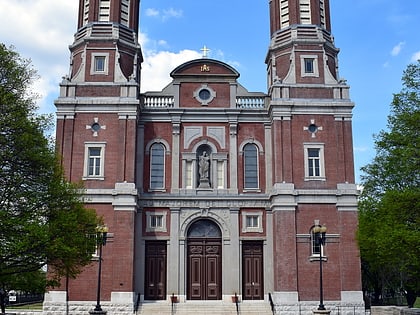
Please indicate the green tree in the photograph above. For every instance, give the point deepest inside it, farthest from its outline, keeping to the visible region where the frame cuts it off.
(42, 217)
(389, 220)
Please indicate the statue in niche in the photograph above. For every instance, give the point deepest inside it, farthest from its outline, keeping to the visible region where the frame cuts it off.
(203, 166)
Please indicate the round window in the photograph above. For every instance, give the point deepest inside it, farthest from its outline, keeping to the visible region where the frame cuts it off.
(204, 94)
(312, 128)
(95, 126)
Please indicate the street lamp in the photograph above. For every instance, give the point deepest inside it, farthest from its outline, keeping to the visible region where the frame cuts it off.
(101, 234)
(320, 237)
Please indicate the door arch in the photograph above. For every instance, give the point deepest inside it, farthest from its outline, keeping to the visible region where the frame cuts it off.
(204, 261)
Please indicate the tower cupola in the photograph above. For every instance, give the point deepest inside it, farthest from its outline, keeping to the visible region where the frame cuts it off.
(302, 51)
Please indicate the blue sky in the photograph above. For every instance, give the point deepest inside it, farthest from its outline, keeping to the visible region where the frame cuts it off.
(377, 40)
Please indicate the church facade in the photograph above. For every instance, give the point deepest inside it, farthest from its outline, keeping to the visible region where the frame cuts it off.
(211, 193)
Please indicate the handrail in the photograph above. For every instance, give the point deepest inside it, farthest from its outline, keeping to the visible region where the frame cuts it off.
(137, 305)
(270, 298)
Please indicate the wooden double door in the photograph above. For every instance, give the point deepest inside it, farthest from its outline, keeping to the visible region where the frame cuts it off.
(204, 269)
(252, 271)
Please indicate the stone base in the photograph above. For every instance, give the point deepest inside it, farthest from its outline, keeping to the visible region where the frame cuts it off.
(204, 183)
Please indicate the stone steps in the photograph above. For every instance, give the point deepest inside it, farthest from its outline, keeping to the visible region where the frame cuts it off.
(205, 308)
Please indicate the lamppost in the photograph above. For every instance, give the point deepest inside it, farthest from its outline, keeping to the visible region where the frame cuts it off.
(101, 234)
(320, 237)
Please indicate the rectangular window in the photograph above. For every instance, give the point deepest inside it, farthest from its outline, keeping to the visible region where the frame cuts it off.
(104, 10)
(125, 9)
(94, 167)
(314, 162)
(156, 221)
(99, 63)
(94, 160)
(316, 246)
(309, 65)
(252, 221)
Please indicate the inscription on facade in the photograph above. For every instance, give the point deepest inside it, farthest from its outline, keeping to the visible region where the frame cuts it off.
(204, 203)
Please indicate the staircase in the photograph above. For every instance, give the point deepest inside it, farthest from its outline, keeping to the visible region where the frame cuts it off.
(205, 308)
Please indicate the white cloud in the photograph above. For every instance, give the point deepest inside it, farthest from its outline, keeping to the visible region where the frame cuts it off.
(46, 30)
(171, 12)
(165, 14)
(397, 49)
(43, 33)
(152, 12)
(415, 57)
(158, 65)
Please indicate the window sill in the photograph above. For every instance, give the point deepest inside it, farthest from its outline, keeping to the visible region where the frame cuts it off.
(320, 178)
(93, 178)
(316, 258)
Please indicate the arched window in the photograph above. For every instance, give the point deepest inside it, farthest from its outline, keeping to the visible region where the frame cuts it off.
(250, 166)
(204, 228)
(157, 166)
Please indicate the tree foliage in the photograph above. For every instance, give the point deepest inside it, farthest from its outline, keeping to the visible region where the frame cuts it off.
(389, 221)
(42, 217)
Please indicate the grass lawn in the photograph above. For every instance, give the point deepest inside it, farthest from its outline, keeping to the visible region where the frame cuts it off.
(35, 306)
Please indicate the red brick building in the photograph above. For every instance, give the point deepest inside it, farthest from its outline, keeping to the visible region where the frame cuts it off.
(209, 190)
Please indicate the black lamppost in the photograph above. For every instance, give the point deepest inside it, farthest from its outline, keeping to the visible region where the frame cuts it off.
(101, 234)
(320, 237)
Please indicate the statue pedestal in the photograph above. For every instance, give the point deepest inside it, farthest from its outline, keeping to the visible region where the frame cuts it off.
(321, 312)
(93, 312)
(204, 183)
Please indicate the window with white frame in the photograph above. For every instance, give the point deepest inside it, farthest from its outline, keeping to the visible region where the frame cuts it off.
(305, 11)
(317, 245)
(156, 221)
(157, 166)
(250, 154)
(252, 221)
(309, 65)
(99, 63)
(125, 11)
(94, 160)
(104, 10)
(314, 162)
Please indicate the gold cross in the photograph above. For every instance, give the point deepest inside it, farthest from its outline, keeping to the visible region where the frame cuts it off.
(205, 51)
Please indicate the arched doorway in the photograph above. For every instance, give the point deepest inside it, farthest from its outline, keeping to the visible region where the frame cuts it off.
(204, 261)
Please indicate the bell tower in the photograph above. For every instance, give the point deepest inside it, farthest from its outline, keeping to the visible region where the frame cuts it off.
(302, 50)
(313, 167)
(97, 113)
